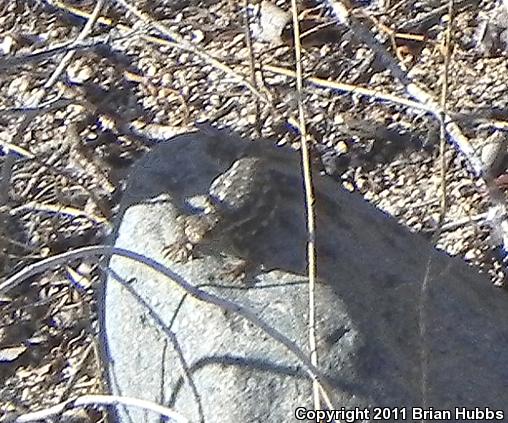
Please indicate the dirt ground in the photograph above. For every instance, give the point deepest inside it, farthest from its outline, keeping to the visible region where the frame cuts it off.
(68, 139)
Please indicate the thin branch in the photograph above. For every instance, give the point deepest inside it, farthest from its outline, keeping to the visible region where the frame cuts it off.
(65, 61)
(352, 89)
(199, 294)
(252, 63)
(46, 107)
(73, 212)
(95, 400)
(424, 287)
(183, 44)
(468, 220)
(342, 12)
(48, 52)
(166, 328)
(77, 370)
(309, 202)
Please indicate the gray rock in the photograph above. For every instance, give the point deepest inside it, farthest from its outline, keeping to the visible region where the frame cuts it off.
(383, 340)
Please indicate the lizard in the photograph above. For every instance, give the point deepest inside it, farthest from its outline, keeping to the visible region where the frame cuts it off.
(239, 203)
(257, 190)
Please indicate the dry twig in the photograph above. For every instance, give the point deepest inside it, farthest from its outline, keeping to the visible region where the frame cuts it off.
(309, 201)
(201, 295)
(94, 400)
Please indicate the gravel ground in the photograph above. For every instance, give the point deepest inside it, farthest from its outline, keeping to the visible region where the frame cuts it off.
(72, 141)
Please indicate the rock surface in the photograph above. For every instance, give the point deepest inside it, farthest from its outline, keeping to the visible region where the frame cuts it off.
(383, 340)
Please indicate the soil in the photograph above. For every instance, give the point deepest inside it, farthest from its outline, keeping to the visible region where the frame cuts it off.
(130, 85)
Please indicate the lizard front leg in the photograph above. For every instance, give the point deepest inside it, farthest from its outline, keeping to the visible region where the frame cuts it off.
(193, 229)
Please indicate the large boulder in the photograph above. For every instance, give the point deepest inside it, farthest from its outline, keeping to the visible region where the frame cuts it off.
(399, 324)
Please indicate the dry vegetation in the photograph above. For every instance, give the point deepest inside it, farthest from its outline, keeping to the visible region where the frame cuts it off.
(67, 141)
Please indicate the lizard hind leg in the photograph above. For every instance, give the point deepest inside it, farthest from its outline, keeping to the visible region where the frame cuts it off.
(239, 271)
